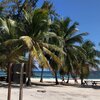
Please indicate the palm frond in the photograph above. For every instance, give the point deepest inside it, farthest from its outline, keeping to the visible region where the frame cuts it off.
(27, 16)
(54, 47)
(16, 52)
(3, 25)
(54, 57)
(34, 52)
(27, 41)
(71, 30)
(42, 59)
(10, 42)
(66, 22)
(49, 35)
(76, 39)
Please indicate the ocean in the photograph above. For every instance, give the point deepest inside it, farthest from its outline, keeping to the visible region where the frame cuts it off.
(2, 73)
(48, 74)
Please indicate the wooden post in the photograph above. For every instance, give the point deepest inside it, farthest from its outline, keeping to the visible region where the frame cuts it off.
(9, 82)
(21, 82)
(28, 83)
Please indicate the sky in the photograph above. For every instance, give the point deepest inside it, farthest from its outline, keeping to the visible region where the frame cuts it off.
(85, 12)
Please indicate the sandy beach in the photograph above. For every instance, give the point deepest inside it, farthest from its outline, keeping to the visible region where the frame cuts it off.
(49, 91)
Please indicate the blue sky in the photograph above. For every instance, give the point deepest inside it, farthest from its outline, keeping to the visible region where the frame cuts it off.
(86, 12)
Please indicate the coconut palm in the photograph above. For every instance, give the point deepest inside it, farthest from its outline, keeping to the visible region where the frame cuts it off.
(36, 25)
(13, 8)
(71, 42)
(90, 61)
(10, 46)
(40, 27)
(7, 29)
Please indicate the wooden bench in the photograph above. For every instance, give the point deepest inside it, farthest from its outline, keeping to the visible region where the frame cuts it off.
(93, 82)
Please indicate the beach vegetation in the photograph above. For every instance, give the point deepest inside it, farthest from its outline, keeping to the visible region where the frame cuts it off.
(54, 42)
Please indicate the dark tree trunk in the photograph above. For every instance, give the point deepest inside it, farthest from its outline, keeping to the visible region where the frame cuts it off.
(82, 80)
(7, 73)
(63, 79)
(81, 76)
(75, 80)
(9, 81)
(41, 79)
(56, 78)
(68, 77)
(28, 83)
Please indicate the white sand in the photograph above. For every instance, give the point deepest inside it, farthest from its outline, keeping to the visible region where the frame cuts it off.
(53, 92)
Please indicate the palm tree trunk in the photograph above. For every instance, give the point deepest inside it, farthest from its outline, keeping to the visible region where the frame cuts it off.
(63, 79)
(81, 76)
(7, 73)
(56, 78)
(75, 80)
(68, 77)
(41, 79)
(28, 83)
(9, 81)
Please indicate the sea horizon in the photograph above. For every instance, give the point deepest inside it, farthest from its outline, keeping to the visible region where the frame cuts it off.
(48, 74)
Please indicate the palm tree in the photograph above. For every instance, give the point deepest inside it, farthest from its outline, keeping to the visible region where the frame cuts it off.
(68, 32)
(91, 59)
(36, 25)
(7, 29)
(16, 7)
(55, 69)
(10, 47)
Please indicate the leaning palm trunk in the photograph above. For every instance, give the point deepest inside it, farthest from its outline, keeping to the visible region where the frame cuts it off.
(56, 78)
(68, 77)
(41, 80)
(63, 79)
(81, 76)
(7, 73)
(28, 83)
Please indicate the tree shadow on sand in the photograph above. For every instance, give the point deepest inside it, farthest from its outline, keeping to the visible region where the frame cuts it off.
(81, 86)
(47, 83)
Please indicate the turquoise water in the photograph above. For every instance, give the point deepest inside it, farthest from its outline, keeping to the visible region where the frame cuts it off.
(2, 73)
(48, 74)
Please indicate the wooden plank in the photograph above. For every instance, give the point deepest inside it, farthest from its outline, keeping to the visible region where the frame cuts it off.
(21, 82)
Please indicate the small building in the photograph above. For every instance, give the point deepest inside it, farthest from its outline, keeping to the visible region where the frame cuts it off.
(15, 75)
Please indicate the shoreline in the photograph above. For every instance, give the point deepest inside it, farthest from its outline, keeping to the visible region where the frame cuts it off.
(60, 80)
